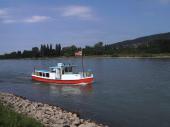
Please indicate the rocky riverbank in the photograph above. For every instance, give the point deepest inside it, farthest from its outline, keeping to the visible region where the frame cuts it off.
(49, 116)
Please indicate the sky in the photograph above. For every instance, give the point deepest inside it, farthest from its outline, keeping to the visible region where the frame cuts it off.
(28, 23)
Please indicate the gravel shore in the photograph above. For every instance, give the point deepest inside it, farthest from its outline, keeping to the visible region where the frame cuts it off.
(49, 116)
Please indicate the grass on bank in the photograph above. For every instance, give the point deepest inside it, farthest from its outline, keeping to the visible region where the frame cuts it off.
(9, 118)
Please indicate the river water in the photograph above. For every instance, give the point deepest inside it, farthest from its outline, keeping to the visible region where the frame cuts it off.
(126, 92)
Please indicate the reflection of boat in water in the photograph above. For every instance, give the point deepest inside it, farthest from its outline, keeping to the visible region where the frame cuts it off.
(64, 89)
(71, 90)
(62, 74)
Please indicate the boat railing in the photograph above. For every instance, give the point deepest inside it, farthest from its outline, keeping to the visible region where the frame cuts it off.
(33, 73)
(86, 74)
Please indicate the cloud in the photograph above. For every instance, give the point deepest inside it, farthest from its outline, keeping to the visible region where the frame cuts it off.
(3, 13)
(35, 19)
(82, 12)
(164, 1)
(4, 16)
(32, 19)
(7, 21)
(75, 11)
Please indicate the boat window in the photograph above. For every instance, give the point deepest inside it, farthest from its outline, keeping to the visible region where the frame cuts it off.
(47, 75)
(43, 74)
(68, 69)
(40, 73)
(53, 70)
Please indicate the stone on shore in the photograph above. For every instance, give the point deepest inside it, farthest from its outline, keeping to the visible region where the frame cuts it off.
(49, 116)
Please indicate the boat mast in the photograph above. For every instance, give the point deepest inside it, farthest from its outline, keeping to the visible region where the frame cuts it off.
(82, 62)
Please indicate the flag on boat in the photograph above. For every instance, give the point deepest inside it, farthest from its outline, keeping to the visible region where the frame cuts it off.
(78, 53)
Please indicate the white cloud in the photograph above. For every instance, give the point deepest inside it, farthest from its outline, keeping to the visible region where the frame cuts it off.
(164, 1)
(35, 19)
(3, 13)
(82, 12)
(7, 18)
(75, 11)
(9, 21)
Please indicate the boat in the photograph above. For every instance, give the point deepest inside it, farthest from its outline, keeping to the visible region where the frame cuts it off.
(63, 74)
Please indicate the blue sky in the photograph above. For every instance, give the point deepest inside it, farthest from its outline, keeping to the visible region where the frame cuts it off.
(28, 23)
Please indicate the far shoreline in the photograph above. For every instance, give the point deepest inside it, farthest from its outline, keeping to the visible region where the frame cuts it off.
(96, 56)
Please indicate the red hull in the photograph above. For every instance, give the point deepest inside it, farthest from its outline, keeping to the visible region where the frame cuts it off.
(79, 81)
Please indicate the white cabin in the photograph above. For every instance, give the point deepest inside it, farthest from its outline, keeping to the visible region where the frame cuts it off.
(61, 72)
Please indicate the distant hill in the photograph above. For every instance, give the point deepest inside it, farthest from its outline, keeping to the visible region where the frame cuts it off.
(148, 46)
(143, 40)
(153, 44)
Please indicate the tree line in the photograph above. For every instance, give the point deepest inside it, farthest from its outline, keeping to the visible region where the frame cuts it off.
(45, 50)
(156, 46)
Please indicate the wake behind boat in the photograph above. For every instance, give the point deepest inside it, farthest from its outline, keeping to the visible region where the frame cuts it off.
(62, 74)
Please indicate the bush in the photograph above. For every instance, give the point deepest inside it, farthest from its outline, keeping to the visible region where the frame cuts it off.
(9, 118)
